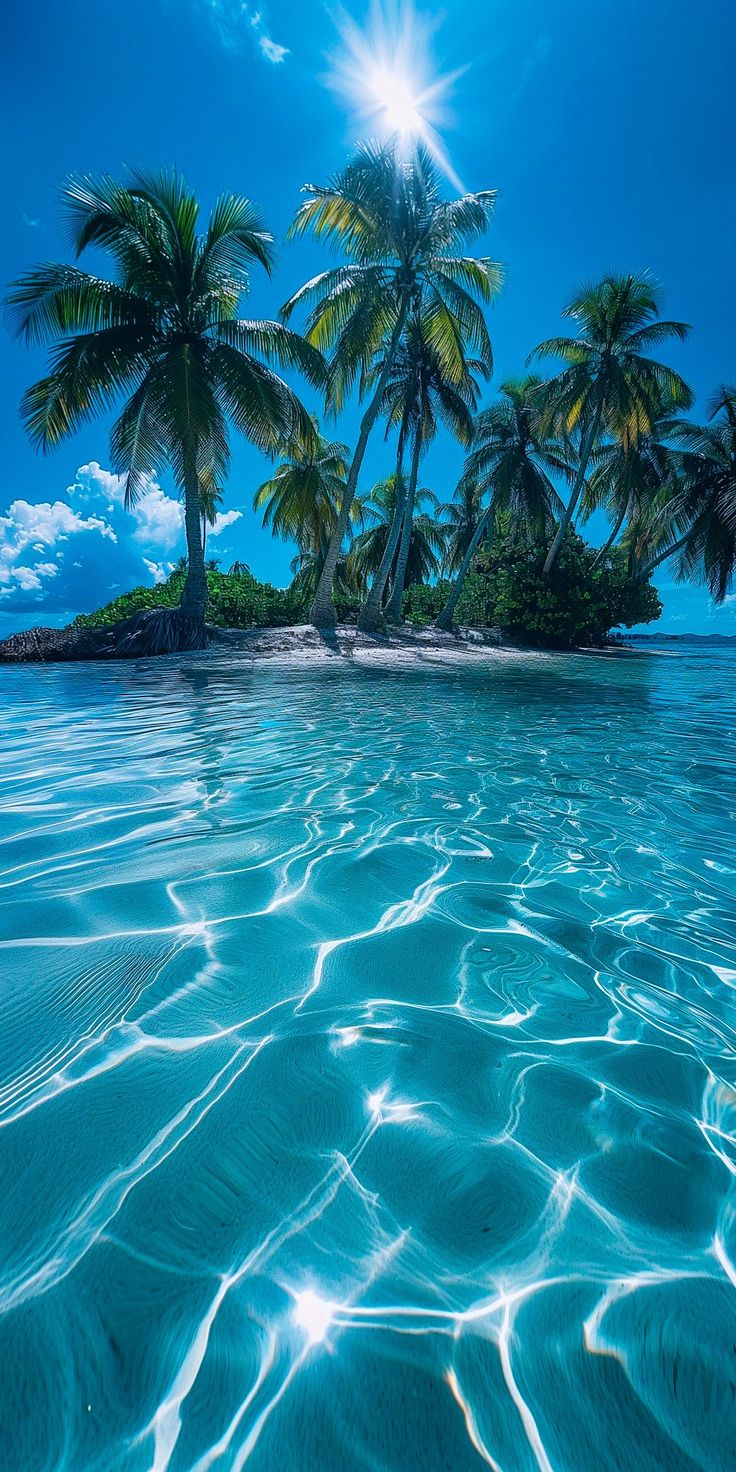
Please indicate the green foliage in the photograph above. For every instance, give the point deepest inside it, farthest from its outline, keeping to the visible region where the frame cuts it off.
(162, 342)
(244, 603)
(576, 603)
(236, 600)
(138, 600)
(402, 242)
(424, 601)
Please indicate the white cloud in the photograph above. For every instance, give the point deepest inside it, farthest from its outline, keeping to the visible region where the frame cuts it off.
(222, 520)
(36, 528)
(59, 558)
(234, 19)
(158, 516)
(43, 524)
(159, 519)
(159, 570)
(28, 579)
(271, 49)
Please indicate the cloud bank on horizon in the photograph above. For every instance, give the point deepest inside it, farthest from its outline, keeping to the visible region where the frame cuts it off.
(71, 555)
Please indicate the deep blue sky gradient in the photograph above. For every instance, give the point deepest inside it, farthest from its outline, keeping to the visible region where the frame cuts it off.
(608, 129)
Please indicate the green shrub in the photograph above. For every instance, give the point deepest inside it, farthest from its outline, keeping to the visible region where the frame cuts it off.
(576, 604)
(422, 602)
(239, 601)
(236, 601)
(138, 600)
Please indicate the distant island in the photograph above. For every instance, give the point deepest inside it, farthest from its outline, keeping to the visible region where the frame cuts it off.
(679, 638)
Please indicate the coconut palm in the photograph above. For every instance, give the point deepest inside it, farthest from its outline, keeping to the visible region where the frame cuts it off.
(418, 395)
(608, 382)
(509, 468)
(426, 546)
(461, 517)
(306, 567)
(703, 509)
(301, 500)
(162, 333)
(628, 480)
(210, 498)
(402, 244)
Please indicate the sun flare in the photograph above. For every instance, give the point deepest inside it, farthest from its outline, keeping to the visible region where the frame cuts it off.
(386, 75)
(396, 102)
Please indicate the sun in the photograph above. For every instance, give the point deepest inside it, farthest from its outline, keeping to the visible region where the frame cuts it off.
(397, 105)
(386, 75)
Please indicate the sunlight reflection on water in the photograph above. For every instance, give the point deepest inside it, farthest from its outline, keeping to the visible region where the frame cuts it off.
(367, 1085)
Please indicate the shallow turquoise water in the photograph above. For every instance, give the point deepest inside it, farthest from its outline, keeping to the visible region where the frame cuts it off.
(367, 1064)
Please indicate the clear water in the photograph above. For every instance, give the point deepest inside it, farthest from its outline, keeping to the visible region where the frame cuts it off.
(367, 1063)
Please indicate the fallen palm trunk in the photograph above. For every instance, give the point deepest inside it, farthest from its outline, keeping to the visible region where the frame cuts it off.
(157, 631)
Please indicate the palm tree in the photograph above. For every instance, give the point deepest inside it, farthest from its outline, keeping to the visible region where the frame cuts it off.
(163, 334)
(210, 497)
(630, 480)
(461, 517)
(705, 503)
(301, 500)
(418, 395)
(609, 383)
(427, 536)
(384, 211)
(306, 567)
(510, 466)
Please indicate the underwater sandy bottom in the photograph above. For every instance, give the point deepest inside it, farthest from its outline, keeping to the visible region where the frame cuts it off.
(367, 1064)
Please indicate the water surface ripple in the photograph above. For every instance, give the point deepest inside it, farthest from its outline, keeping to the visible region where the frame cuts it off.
(367, 1064)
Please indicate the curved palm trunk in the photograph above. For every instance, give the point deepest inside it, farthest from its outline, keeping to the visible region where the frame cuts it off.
(370, 613)
(607, 545)
(393, 607)
(447, 617)
(194, 595)
(644, 572)
(569, 512)
(322, 613)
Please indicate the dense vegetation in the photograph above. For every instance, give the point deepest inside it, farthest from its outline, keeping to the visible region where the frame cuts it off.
(579, 604)
(236, 600)
(399, 321)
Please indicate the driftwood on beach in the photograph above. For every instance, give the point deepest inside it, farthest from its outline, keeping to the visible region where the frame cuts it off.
(44, 646)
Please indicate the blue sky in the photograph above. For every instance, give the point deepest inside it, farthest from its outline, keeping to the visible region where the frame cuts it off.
(608, 129)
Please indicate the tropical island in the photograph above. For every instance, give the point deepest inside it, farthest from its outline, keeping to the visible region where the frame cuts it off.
(400, 320)
(367, 881)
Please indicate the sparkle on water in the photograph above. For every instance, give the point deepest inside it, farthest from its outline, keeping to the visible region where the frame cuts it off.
(313, 1314)
(367, 1058)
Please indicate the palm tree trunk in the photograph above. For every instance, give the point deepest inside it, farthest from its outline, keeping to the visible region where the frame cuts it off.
(607, 545)
(644, 572)
(393, 607)
(569, 512)
(194, 594)
(370, 613)
(446, 619)
(322, 613)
